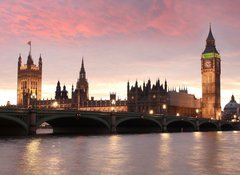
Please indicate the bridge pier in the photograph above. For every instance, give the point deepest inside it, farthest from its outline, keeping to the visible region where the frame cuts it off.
(113, 123)
(197, 125)
(164, 124)
(32, 120)
(219, 126)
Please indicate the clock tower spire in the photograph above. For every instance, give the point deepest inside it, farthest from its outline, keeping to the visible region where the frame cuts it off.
(211, 71)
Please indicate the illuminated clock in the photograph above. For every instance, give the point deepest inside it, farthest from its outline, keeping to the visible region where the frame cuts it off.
(207, 64)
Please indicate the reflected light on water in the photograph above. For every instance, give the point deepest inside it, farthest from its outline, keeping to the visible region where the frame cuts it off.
(31, 155)
(197, 135)
(164, 150)
(113, 156)
(235, 132)
(165, 136)
(219, 132)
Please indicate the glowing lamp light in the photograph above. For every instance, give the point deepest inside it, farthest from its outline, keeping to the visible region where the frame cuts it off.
(164, 106)
(113, 102)
(177, 114)
(151, 112)
(197, 111)
(55, 104)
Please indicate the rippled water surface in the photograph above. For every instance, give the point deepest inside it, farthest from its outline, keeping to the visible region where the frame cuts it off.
(175, 153)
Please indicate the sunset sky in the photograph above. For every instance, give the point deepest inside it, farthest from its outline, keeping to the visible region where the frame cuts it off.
(120, 41)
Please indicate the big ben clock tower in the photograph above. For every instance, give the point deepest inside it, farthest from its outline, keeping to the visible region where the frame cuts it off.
(211, 70)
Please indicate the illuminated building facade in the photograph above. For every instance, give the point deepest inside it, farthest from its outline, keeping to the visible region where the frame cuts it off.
(156, 99)
(147, 98)
(80, 98)
(29, 81)
(211, 70)
(182, 103)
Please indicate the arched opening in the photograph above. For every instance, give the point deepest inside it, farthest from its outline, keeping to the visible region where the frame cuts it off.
(78, 125)
(44, 128)
(11, 128)
(226, 127)
(208, 126)
(180, 126)
(138, 125)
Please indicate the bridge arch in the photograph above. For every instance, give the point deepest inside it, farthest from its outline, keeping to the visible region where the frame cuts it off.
(208, 126)
(226, 127)
(138, 125)
(11, 125)
(83, 124)
(180, 125)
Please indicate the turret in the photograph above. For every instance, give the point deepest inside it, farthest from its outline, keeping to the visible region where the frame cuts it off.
(40, 62)
(128, 87)
(165, 85)
(136, 84)
(82, 74)
(19, 61)
(29, 60)
(64, 93)
(58, 92)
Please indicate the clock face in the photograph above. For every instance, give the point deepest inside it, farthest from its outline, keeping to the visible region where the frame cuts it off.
(207, 64)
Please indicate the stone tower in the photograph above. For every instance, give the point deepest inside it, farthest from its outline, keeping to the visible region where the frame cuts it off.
(29, 81)
(211, 70)
(81, 92)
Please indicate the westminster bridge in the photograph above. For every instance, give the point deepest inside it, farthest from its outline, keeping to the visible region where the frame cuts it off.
(26, 122)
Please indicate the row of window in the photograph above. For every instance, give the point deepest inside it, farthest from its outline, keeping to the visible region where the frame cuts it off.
(33, 85)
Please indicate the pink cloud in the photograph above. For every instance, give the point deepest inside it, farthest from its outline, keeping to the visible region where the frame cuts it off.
(72, 20)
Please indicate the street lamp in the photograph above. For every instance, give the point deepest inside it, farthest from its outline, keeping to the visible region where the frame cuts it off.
(55, 104)
(151, 112)
(164, 107)
(197, 112)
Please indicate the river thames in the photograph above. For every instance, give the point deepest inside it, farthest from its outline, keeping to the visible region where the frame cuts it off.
(139, 154)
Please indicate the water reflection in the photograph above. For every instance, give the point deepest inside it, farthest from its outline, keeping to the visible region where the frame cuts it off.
(31, 156)
(164, 151)
(174, 153)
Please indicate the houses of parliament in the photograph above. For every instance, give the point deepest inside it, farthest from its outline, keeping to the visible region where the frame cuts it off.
(152, 98)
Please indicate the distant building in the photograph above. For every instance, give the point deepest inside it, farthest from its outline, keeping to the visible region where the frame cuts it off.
(80, 98)
(231, 110)
(29, 81)
(147, 98)
(156, 99)
(183, 104)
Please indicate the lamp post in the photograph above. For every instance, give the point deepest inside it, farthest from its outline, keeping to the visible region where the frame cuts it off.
(164, 107)
(113, 124)
(55, 104)
(197, 111)
(33, 98)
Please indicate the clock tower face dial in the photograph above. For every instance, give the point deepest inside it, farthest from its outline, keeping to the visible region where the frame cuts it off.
(207, 64)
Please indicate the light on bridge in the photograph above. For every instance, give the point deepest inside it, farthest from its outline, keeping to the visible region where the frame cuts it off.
(55, 104)
(151, 112)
